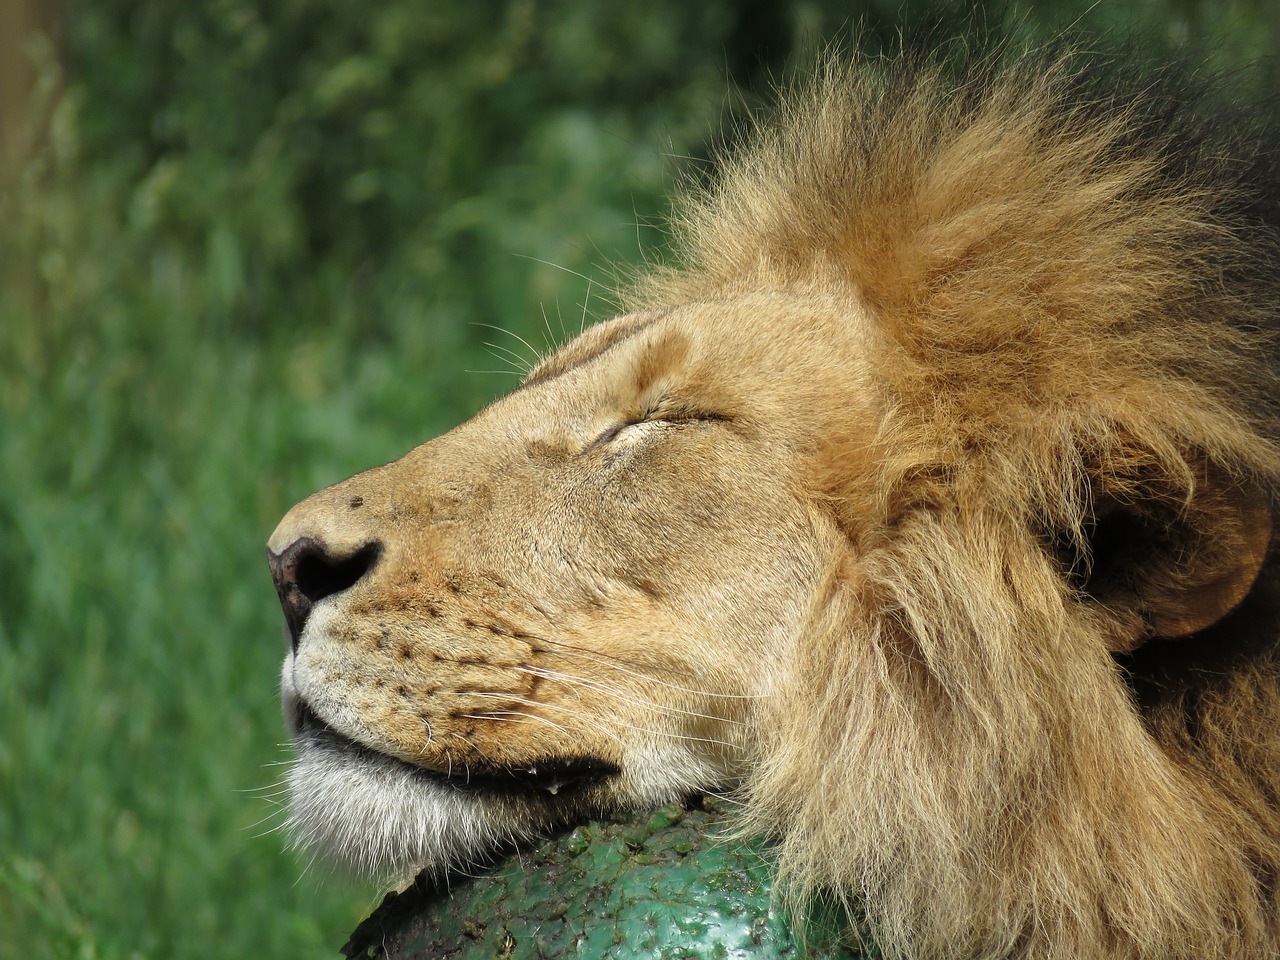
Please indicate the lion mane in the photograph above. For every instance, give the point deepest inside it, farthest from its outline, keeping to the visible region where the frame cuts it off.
(1029, 703)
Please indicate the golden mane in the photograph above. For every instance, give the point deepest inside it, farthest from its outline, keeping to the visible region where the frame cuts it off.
(1074, 279)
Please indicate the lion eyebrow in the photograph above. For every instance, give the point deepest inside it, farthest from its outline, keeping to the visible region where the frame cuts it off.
(574, 356)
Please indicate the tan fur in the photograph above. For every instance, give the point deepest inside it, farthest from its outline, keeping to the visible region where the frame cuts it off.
(927, 503)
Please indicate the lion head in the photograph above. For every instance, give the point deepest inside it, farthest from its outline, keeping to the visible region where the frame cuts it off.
(927, 506)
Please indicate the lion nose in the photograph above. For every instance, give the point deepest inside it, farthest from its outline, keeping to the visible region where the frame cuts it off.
(306, 572)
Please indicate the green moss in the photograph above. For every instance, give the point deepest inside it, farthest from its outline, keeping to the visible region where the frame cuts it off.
(671, 885)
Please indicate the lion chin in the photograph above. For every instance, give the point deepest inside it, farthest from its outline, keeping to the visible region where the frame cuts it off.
(926, 506)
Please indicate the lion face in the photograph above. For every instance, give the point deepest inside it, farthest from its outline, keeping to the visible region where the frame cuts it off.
(571, 602)
(928, 504)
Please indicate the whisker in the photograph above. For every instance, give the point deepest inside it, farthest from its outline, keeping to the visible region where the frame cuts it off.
(621, 665)
(511, 356)
(278, 813)
(514, 716)
(586, 299)
(269, 794)
(522, 701)
(546, 323)
(635, 728)
(537, 355)
(555, 266)
(636, 218)
(577, 681)
(277, 785)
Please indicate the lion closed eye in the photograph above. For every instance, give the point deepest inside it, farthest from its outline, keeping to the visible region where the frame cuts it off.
(927, 504)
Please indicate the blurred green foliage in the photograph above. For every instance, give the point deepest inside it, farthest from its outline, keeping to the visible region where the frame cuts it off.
(260, 248)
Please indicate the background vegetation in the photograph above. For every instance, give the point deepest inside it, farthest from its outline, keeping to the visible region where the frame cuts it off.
(257, 247)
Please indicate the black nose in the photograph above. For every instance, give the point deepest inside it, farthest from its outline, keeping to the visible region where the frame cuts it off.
(306, 572)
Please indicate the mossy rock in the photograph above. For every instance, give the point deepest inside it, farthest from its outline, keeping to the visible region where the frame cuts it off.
(669, 885)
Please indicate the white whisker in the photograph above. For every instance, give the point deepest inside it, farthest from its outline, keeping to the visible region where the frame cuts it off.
(577, 681)
(647, 731)
(622, 667)
(514, 716)
(555, 266)
(582, 322)
(520, 363)
(537, 354)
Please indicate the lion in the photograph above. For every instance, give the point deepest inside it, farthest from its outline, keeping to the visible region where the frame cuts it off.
(924, 504)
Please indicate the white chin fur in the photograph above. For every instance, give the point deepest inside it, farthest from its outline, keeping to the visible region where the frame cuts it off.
(385, 820)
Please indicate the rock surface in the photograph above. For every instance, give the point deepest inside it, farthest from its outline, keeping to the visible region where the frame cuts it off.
(668, 885)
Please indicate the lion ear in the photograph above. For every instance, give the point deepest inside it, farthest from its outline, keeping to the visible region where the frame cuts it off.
(1166, 569)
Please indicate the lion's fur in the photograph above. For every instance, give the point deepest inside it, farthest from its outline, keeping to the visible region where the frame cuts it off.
(1076, 282)
(1031, 701)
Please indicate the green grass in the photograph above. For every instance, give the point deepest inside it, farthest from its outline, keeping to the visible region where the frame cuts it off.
(140, 641)
(148, 449)
(140, 637)
(179, 364)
